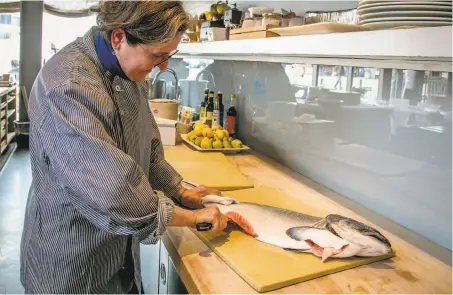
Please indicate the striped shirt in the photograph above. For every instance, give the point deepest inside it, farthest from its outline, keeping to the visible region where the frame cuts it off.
(99, 177)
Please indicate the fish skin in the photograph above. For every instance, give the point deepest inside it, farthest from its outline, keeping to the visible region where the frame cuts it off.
(272, 229)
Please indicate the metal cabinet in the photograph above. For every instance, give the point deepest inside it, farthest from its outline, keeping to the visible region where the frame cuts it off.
(159, 275)
(150, 262)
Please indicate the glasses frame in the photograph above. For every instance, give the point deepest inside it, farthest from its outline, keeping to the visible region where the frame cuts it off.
(169, 56)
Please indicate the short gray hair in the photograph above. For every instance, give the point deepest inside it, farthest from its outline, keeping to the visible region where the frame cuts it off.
(145, 22)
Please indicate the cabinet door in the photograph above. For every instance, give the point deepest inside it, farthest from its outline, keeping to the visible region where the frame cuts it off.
(175, 285)
(163, 270)
(150, 264)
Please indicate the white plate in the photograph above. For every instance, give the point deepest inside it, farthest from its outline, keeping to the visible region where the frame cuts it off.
(444, 14)
(225, 151)
(395, 24)
(407, 19)
(368, 4)
(384, 7)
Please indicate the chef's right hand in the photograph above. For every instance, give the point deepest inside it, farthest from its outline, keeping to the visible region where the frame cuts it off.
(213, 216)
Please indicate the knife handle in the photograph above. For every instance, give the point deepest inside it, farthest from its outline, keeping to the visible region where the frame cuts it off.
(204, 226)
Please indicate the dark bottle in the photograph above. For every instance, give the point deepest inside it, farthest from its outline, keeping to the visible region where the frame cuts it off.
(231, 116)
(203, 105)
(210, 109)
(221, 109)
(216, 113)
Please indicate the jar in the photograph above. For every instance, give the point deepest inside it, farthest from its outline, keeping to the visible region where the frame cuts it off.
(258, 21)
(248, 22)
(272, 19)
(296, 21)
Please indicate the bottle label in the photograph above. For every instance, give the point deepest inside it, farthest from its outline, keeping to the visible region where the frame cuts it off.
(202, 113)
(209, 116)
(216, 117)
(230, 124)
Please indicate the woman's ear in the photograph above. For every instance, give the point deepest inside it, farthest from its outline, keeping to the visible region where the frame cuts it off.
(117, 37)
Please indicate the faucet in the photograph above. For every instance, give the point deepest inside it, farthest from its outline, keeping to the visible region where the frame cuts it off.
(176, 80)
(201, 72)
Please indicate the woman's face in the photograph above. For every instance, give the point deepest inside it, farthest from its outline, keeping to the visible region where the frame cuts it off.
(137, 61)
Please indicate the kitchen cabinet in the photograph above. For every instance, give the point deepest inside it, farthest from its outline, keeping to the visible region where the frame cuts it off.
(159, 275)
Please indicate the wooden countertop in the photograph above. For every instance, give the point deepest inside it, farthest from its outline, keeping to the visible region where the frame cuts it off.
(202, 271)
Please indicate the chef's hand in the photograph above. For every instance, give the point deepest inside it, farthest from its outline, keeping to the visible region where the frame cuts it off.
(191, 198)
(213, 216)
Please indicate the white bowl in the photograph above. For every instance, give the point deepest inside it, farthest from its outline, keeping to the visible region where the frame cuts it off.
(259, 10)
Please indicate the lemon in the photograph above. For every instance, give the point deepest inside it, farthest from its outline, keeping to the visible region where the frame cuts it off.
(236, 143)
(217, 144)
(226, 143)
(220, 134)
(206, 143)
(198, 141)
(207, 132)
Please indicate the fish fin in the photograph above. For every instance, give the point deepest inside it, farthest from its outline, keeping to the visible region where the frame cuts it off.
(296, 233)
(322, 224)
(326, 253)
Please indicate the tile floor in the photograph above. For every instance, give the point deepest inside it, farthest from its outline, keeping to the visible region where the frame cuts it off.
(15, 179)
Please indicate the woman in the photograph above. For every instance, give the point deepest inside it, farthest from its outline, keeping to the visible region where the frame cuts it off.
(100, 181)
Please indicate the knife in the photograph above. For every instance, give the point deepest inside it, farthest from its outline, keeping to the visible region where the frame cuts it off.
(204, 226)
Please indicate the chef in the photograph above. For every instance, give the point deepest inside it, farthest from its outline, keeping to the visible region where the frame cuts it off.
(100, 182)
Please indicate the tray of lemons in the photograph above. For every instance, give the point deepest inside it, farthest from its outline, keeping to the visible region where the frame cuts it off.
(215, 139)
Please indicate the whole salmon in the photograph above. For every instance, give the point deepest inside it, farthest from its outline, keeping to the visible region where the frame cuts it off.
(331, 236)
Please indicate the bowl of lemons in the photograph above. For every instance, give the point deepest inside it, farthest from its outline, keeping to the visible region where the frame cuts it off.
(215, 138)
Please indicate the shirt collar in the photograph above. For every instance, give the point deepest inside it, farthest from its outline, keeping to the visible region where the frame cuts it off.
(105, 54)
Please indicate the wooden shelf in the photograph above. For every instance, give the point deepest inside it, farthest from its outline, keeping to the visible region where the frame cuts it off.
(6, 90)
(10, 137)
(3, 105)
(3, 147)
(416, 48)
(10, 113)
(11, 99)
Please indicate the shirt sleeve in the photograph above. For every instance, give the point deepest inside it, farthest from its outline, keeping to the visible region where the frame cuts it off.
(161, 174)
(103, 183)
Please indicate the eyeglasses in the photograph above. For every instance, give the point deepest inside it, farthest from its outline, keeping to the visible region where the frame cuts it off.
(167, 58)
(162, 59)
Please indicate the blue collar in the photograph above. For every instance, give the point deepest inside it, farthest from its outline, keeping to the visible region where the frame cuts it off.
(108, 60)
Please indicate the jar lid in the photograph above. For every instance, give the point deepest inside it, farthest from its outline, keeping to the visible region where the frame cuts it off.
(274, 14)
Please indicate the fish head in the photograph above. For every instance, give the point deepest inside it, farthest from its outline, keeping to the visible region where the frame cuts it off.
(371, 241)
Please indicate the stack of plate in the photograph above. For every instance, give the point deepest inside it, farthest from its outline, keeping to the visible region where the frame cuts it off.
(379, 15)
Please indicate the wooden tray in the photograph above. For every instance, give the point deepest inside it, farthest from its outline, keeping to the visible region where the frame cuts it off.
(254, 33)
(318, 28)
(225, 151)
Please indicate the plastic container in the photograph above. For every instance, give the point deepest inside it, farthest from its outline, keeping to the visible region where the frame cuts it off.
(272, 19)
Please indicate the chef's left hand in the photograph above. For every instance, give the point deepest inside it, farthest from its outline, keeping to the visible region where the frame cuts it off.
(191, 198)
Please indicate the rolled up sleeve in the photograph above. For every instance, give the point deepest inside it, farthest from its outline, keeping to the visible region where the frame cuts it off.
(103, 183)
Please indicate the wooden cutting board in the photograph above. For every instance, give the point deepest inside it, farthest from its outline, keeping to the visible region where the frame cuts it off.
(266, 267)
(210, 169)
(318, 28)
